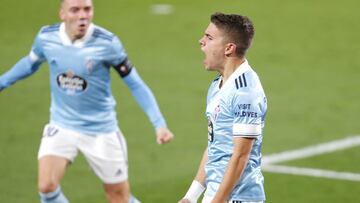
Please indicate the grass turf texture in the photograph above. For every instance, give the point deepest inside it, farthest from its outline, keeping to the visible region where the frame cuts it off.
(306, 54)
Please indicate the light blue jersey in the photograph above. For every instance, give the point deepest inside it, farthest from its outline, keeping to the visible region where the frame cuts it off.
(238, 108)
(81, 97)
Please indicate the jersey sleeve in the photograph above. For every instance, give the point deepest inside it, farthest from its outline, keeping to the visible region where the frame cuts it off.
(25, 66)
(248, 110)
(37, 52)
(145, 98)
(117, 54)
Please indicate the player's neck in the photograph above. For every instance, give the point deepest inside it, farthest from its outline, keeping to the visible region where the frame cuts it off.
(230, 67)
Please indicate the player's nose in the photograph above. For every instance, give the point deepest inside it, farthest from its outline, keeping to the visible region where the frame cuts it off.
(202, 42)
(83, 14)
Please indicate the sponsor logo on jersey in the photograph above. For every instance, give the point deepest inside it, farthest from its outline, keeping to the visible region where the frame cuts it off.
(244, 110)
(71, 83)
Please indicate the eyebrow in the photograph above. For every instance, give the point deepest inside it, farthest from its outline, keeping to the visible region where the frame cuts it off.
(80, 7)
(208, 35)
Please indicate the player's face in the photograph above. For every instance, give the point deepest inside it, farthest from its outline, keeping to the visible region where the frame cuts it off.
(213, 45)
(77, 16)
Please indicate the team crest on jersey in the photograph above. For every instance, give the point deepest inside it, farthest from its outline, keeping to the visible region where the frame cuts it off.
(70, 83)
(89, 64)
(216, 112)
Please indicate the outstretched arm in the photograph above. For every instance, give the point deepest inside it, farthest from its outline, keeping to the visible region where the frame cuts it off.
(22, 69)
(147, 102)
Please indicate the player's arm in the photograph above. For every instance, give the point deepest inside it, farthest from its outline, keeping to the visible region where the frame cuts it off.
(22, 69)
(146, 99)
(198, 185)
(25, 66)
(235, 168)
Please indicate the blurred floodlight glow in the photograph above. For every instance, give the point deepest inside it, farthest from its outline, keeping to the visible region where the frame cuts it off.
(161, 9)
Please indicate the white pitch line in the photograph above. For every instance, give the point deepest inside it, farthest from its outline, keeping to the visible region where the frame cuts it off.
(312, 150)
(312, 172)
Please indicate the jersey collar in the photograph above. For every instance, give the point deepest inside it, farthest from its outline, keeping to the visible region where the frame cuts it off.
(240, 70)
(79, 42)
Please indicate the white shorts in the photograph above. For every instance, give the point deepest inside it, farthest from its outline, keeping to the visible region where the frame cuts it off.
(105, 153)
(207, 199)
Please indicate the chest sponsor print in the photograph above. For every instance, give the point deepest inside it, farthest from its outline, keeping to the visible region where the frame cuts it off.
(70, 83)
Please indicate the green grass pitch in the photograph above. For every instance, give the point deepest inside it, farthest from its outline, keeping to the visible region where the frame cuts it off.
(306, 53)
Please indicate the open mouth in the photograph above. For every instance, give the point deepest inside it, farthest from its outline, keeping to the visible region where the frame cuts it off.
(82, 26)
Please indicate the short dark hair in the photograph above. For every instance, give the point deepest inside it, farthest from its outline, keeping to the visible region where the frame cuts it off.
(238, 29)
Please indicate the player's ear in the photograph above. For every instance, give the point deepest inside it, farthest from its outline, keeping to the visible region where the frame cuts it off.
(61, 13)
(230, 48)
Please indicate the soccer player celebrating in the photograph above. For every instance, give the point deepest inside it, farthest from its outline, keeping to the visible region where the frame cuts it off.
(236, 108)
(82, 113)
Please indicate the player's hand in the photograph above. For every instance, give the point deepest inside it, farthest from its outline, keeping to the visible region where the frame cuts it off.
(184, 201)
(163, 135)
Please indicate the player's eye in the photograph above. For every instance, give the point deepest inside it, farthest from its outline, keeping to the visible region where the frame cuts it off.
(208, 37)
(74, 10)
(87, 9)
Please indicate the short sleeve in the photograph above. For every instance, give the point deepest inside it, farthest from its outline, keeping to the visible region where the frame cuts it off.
(37, 52)
(117, 52)
(248, 110)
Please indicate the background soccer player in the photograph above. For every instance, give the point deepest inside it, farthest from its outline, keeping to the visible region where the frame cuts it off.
(82, 115)
(236, 108)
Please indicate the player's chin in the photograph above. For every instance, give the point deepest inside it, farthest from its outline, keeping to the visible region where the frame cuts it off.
(82, 29)
(206, 65)
(80, 33)
(208, 68)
